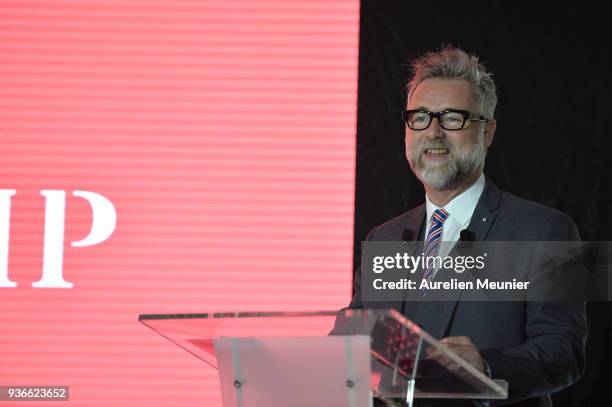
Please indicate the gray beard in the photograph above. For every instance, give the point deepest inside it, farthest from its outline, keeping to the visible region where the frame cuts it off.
(444, 177)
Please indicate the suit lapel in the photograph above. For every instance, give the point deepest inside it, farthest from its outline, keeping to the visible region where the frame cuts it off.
(435, 316)
(416, 221)
(484, 214)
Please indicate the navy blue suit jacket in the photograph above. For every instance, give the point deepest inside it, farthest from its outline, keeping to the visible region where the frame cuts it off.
(538, 347)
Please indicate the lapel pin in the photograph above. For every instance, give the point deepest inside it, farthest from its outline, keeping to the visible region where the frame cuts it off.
(484, 219)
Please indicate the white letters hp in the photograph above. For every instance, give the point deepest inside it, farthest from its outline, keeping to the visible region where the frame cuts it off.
(104, 220)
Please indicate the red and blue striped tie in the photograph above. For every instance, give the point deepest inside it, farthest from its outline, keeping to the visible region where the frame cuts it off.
(433, 240)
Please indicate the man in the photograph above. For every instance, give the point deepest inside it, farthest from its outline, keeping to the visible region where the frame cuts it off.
(538, 347)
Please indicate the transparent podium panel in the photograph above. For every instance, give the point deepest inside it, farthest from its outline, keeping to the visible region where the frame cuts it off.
(289, 371)
(399, 358)
(323, 358)
(196, 332)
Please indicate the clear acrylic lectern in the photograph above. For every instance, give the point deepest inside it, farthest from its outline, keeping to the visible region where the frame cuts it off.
(343, 358)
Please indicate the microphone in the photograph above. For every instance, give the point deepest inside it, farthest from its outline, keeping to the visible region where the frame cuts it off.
(407, 235)
(467, 235)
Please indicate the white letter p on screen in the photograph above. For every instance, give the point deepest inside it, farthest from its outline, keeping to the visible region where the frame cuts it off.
(104, 220)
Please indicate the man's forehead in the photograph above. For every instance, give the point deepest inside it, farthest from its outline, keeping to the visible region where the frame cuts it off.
(440, 94)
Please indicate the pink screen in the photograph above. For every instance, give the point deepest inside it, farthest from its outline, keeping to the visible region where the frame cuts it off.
(167, 157)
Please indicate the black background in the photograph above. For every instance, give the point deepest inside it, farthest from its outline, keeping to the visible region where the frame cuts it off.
(551, 64)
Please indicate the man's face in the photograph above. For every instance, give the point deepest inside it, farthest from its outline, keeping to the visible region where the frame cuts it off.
(440, 158)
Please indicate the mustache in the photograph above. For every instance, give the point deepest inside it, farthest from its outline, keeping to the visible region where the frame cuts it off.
(435, 144)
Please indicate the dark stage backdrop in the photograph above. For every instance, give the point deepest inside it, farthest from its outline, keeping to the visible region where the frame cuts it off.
(552, 67)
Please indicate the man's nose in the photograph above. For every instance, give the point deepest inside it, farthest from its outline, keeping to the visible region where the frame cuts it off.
(435, 130)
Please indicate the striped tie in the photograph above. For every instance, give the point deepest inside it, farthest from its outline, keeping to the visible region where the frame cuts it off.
(433, 240)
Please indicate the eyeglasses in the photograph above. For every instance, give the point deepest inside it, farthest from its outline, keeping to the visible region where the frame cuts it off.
(449, 119)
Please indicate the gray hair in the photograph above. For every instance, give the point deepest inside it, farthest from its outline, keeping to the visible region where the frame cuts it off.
(453, 63)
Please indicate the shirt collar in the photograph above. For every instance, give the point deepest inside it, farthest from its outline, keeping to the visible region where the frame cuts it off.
(460, 208)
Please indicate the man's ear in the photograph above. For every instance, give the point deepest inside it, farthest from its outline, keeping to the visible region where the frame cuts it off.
(489, 132)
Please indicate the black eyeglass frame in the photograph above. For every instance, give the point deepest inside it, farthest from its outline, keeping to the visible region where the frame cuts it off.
(467, 116)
